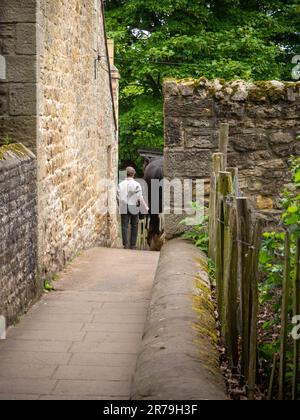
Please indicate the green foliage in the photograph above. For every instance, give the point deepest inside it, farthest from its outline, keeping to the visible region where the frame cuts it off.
(198, 234)
(6, 140)
(48, 286)
(249, 39)
(141, 126)
(291, 200)
(272, 269)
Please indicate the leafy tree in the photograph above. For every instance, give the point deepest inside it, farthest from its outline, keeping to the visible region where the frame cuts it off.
(155, 39)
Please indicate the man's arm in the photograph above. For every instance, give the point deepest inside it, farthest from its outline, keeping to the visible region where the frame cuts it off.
(144, 204)
(141, 198)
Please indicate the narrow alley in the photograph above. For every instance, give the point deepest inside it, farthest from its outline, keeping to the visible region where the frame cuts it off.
(82, 341)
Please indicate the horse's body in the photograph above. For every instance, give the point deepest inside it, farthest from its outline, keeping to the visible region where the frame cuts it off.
(154, 170)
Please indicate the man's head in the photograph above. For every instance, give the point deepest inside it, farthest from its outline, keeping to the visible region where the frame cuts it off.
(130, 172)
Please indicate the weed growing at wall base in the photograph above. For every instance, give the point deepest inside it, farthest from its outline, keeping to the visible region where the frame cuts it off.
(6, 140)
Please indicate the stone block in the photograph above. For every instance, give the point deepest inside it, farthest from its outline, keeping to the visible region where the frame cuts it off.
(7, 39)
(26, 38)
(171, 89)
(264, 203)
(231, 110)
(187, 164)
(173, 226)
(21, 129)
(3, 101)
(174, 132)
(291, 111)
(21, 69)
(282, 137)
(186, 107)
(262, 112)
(201, 138)
(22, 99)
(250, 140)
(17, 11)
(286, 150)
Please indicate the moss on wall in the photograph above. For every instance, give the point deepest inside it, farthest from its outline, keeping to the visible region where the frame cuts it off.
(272, 91)
(10, 150)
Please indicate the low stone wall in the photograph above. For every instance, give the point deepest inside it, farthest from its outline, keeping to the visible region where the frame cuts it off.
(179, 358)
(264, 119)
(18, 231)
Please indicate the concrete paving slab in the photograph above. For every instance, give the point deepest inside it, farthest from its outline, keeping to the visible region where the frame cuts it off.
(82, 341)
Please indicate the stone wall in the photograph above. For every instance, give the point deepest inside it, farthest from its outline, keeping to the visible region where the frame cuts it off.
(180, 333)
(18, 89)
(264, 122)
(56, 98)
(18, 231)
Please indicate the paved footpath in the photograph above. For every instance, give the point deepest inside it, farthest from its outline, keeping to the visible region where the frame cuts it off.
(82, 341)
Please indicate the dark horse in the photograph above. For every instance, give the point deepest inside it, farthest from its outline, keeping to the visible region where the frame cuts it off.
(154, 170)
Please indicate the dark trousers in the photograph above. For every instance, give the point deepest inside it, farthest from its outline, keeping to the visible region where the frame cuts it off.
(134, 221)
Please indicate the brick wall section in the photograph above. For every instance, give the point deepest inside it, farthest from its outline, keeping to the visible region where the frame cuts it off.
(264, 122)
(77, 138)
(18, 90)
(18, 231)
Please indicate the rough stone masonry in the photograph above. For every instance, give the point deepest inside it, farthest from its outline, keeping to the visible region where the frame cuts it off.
(264, 120)
(57, 100)
(18, 231)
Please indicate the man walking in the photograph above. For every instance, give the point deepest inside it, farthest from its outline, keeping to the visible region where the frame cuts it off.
(130, 199)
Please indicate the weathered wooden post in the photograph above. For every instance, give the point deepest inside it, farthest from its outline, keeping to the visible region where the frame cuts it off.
(224, 189)
(253, 263)
(284, 315)
(272, 377)
(296, 310)
(235, 180)
(218, 165)
(230, 328)
(224, 141)
(243, 241)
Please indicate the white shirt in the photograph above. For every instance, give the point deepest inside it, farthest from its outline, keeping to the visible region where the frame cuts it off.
(129, 192)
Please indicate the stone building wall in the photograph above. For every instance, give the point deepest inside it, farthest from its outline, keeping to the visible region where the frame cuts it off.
(56, 98)
(18, 231)
(264, 122)
(77, 138)
(18, 88)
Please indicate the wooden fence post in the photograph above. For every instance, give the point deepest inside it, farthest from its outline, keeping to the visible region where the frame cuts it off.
(296, 311)
(224, 189)
(218, 165)
(253, 263)
(284, 315)
(230, 328)
(243, 241)
(272, 377)
(235, 180)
